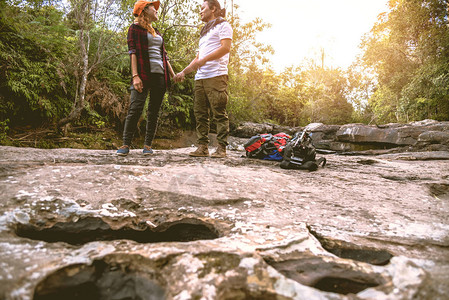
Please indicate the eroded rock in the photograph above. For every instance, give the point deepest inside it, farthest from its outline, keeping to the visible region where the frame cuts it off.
(86, 223)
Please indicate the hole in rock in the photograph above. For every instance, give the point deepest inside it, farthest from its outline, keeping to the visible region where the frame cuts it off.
(98, 281)
(345, 250)
(367, 162)
(248, 294)
(374, 257)
(439, 190)
(95, 229)
(341, 285)
(328, 276)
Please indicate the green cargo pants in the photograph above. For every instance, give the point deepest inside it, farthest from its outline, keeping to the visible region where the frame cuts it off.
(211, 98)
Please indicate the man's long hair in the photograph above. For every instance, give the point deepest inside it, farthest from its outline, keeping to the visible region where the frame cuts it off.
(219, 12)
(144, 21)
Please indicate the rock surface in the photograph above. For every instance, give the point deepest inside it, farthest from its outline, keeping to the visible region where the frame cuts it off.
(86, 224)
(427, 135)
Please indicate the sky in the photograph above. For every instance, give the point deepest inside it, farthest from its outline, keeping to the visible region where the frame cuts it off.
(300, 28)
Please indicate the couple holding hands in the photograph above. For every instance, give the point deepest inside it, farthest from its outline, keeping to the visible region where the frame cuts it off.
(151, 72)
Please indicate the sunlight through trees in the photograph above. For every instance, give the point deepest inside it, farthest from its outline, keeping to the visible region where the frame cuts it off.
(67, 63)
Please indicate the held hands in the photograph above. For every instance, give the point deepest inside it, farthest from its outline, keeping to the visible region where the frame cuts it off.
(195, 66)
(179, 77)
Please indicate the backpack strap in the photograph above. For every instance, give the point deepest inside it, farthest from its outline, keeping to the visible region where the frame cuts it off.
(322, 161)
(311, 165)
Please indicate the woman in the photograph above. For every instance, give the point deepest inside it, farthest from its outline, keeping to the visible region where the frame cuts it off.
(151, 73)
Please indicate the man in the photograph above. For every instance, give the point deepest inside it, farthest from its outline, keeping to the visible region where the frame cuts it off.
(211, 79)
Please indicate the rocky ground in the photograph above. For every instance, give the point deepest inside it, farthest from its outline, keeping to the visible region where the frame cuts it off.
(86, 224)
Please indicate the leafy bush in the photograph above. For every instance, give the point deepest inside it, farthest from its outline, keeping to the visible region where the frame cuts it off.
(34, 83)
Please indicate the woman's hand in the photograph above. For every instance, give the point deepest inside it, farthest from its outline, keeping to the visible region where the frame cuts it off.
(179, 77)
(138, 84)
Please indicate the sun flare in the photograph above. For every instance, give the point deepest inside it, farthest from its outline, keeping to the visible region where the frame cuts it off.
(303, 30)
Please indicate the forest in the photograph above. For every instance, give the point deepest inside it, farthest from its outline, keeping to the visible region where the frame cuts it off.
(64, 70)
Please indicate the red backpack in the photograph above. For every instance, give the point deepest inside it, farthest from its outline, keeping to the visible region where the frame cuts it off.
(267, 146)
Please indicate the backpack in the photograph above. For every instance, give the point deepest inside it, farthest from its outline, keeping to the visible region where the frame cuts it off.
(300, 153)
(267, 146)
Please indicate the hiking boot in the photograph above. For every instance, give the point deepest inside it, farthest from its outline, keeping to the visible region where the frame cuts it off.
(202, 151)
(123, 150)
(220, 152)
(147, 150)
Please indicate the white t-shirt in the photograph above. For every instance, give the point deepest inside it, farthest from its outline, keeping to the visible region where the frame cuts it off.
(208, 44)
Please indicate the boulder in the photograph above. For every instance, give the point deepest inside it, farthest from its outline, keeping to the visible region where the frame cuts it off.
(358, 133)
(428, 135)
(415, 136)
(323, 136)
(434, 137)
(249, 129)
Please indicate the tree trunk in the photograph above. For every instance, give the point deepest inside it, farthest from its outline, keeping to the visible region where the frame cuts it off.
(78, 108)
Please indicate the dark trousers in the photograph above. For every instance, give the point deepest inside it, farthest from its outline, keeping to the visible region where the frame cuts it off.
(137, 103)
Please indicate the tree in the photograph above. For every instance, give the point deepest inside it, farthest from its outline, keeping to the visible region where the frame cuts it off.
(409, 51)
(101, 19)
(361, 85)
(251, 88)
(179, 24)
(326, 95)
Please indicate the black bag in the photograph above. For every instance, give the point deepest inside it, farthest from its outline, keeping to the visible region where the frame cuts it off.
(300, 153)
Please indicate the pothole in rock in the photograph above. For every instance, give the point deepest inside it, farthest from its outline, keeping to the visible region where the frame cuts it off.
(328, 276)
(439, 190)
(368, 162)
(354, 252)
(98, 281)
(342, 285)
(92, 229)
(401, 179)
(374, 257)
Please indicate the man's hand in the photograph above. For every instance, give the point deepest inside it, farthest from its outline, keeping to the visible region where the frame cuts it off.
(179, 77)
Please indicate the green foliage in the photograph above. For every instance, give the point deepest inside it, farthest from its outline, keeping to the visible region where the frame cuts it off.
(4, 128)
(179, 24)
(246, 51)
(250, 104)
(177, 110)
(297, 96)
(326, 96)
(251, 85)
(42, 60)
(107, 90)
(361, 85)
(409, 51)
(33, 81)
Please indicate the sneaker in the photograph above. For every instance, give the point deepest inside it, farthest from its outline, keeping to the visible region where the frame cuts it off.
(202, 151)
(123, 150)
(220, 152)
(147, 150)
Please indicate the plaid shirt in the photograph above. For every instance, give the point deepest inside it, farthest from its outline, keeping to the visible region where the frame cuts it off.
(138, 45)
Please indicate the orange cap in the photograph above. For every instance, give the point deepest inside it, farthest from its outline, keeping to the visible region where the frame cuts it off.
(141, 4)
